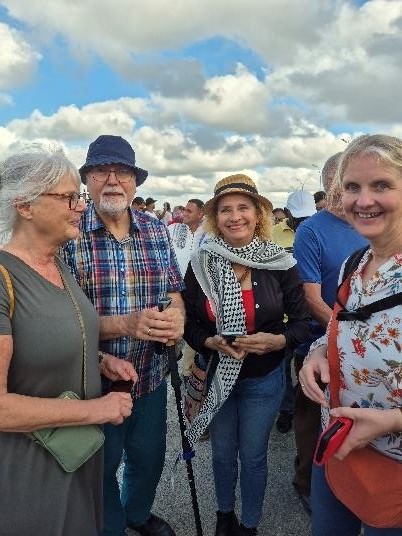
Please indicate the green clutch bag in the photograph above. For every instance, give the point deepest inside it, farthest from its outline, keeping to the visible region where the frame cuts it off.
(70, 446)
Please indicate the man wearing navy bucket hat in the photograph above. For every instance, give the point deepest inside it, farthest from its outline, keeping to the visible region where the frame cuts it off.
(112, 150)
(124, 263)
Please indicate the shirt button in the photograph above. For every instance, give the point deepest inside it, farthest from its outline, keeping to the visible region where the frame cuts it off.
(123, 292)
(255, 283)
(257, 306)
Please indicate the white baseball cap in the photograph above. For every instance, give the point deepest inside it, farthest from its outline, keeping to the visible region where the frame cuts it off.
(301, 204)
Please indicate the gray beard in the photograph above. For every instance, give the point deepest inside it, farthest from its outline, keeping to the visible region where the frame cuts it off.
(113, 208)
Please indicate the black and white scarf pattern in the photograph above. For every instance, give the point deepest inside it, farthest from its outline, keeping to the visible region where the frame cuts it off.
(212, 266)
(180, 233)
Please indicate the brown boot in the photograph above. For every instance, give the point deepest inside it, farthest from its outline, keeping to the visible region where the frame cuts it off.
(226, 524)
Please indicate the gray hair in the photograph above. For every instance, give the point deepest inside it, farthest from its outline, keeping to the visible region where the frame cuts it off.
(388, 149)
(329, 170)
(25, 176)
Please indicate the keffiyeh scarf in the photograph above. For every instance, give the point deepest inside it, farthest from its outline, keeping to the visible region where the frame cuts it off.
(212, 266)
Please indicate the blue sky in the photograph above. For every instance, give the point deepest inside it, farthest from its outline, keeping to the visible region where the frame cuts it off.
(205, 90)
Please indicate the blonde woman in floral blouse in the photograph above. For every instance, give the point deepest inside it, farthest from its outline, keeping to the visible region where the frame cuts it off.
(370, 350)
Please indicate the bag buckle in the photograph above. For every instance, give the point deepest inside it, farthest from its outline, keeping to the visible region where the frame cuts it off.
(359, 314)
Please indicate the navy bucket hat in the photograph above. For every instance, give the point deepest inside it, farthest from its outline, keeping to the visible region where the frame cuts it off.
(109, 149)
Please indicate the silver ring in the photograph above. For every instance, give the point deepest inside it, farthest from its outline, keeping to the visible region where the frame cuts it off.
(148, 332)
(302, 385)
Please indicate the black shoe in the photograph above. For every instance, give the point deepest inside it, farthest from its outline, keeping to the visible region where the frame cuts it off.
(155, 526)
(244, 531)
(284, 422)
(226, 524)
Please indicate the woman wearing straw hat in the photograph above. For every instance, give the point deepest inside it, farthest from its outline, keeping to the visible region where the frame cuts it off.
(241, 283)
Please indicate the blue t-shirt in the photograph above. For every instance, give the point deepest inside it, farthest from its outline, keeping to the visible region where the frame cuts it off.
(321, 244)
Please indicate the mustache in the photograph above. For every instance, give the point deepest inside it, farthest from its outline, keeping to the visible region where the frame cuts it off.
(113, 191)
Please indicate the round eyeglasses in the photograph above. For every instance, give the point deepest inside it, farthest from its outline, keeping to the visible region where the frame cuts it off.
(102, 174)
(73, 199)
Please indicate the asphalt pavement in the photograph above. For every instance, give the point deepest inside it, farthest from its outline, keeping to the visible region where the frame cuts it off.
(283, 514)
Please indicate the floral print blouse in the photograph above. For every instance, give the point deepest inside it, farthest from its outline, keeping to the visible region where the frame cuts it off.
(370, 351)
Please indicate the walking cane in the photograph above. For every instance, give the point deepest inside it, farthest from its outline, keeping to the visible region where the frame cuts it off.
(187, 451)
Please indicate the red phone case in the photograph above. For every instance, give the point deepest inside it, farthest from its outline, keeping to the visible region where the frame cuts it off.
(331, 439)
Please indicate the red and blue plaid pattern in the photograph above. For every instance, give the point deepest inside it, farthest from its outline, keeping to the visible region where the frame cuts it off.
(120, 277)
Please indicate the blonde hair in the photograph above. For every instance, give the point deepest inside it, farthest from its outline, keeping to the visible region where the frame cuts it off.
(264, 219)
(388, 150)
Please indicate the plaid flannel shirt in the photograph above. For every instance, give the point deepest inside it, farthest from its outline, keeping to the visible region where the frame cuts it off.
(120, 277)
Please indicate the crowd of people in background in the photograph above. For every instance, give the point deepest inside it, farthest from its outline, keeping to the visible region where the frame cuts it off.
(251, 292)
(167, 215)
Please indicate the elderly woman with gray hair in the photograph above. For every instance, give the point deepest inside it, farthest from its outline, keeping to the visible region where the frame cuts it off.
(48, 347)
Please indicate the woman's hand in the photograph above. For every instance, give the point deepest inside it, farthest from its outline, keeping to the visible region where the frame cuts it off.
(219, 344)
(117, 369)
(112, 408)
(315, 368)
(368, 424)
(260, 343)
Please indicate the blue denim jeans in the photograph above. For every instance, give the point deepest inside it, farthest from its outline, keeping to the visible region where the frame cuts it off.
(142, 438)
(241, 430)
(331, 518)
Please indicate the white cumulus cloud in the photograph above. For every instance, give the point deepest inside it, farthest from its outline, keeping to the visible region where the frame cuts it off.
(18, 60)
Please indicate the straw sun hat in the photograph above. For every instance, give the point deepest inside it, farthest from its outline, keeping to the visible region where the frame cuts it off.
(236, 184)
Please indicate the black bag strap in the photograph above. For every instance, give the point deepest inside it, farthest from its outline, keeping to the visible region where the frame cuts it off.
(353, 262)
(363, 313)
